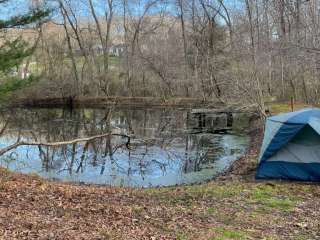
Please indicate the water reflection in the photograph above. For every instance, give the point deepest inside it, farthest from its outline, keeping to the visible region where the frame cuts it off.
(163, 149)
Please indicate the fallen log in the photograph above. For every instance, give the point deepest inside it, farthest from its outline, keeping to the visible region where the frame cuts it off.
(57, 144)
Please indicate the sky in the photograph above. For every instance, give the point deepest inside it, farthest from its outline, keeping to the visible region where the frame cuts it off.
(14, 7)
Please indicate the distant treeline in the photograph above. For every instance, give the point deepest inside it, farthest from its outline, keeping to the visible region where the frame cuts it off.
(248, 50)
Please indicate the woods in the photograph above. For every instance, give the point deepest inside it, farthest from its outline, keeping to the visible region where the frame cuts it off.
(253, 50)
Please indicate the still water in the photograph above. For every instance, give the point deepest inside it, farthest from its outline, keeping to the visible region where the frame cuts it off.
(166, 147)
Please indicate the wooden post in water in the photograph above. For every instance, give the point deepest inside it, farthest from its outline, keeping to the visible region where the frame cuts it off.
(291, 103)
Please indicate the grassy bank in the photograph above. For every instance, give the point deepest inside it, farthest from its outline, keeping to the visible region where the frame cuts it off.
(235, 206)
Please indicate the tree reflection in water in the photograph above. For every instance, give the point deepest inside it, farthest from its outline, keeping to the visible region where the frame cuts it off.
(163, 150)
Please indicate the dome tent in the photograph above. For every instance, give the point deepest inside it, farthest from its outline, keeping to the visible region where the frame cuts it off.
(291, 147)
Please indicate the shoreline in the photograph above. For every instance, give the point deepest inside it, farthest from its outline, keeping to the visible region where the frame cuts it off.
(245, 166)
(102, 102)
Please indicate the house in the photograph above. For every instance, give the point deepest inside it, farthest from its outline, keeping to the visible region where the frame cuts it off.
(117, 50)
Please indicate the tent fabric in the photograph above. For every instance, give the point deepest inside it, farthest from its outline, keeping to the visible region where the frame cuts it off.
(298, 117)
(289, 171)
(291, 146)
(280, 139)
(297, 153)
(271, 128)
(315, 124)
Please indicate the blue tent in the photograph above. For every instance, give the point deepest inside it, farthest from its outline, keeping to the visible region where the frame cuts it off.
(291, 147)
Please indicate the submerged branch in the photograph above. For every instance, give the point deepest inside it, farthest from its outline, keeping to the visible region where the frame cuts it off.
(57, 144)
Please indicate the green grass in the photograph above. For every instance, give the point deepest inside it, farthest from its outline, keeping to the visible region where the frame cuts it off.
(277, 108)
(263, 195)
(226, 234)
(182, 236)
(188, 194)
(11, 84)
(211, 210)
(269, 198)
(232, 203)
(302, 237)
(113, 60)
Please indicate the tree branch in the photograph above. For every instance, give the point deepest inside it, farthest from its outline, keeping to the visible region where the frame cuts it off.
(57, 144)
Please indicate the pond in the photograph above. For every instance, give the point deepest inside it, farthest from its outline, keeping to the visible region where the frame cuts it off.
(166, 147)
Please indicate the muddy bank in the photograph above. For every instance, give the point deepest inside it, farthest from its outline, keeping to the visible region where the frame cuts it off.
(101, 102)
(245, 167)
